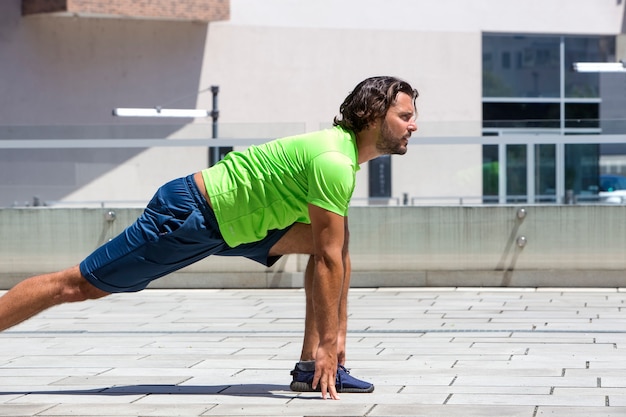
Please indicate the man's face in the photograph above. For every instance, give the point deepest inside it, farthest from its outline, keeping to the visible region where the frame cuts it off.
(397, 126)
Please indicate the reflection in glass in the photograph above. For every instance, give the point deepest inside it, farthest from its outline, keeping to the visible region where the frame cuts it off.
(490, 173)
(586, 49)
(545, 173)
(516, 173)
(521, 115)
(529, 66)
(520, 66)
(529, 86)
(582, 169)
(582, 115)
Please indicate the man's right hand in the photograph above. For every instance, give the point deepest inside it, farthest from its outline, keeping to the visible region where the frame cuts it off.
(326, 372)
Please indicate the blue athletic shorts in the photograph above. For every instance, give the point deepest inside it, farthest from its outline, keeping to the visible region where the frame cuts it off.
(177, 228)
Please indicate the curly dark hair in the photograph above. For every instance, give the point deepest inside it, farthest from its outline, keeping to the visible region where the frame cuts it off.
(370, 100)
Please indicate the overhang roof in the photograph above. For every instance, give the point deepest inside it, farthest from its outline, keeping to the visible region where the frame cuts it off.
(185, 10)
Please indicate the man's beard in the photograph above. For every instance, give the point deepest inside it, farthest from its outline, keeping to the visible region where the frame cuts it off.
(389, 145)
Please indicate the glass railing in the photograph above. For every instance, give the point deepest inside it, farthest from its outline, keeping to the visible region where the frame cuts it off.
(448, 163)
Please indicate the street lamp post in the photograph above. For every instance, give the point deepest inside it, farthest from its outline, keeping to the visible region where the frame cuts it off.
(159, 111)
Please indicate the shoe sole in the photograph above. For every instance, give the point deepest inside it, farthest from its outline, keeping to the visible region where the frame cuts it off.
(304, 387)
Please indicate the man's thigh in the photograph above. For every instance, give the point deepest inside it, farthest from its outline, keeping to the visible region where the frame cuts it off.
(299, 239)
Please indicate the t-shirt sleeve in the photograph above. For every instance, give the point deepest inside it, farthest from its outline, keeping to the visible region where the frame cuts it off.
(331, 182)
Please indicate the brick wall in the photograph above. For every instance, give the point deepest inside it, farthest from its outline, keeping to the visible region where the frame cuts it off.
(196, 10)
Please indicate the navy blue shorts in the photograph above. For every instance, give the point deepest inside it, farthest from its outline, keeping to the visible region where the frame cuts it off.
(177, 228)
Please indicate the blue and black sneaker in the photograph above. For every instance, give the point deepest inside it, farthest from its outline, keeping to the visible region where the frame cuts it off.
(344, 382)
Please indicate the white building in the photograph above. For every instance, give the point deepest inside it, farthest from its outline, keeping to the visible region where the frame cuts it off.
(284, 67)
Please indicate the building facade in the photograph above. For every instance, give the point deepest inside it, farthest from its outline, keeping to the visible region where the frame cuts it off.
(486, 67)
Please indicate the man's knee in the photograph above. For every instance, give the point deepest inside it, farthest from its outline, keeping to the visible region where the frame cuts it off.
(73, 287)
(88, 292)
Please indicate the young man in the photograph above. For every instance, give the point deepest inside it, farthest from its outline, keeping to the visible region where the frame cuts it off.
(286, 196)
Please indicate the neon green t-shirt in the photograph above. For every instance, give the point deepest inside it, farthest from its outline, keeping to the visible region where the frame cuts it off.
(270, 186)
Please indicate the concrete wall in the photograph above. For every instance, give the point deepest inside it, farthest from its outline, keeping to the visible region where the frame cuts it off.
(390, 246)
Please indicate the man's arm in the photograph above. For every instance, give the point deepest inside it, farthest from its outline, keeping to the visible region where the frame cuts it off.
(328, 244)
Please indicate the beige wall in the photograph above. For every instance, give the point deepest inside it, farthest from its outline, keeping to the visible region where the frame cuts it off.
(304, 74)
(63, 71)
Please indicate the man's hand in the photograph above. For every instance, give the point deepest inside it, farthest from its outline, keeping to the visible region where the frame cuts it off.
(326, 372)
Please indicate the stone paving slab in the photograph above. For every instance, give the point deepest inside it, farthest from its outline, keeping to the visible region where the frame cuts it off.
(430, 352)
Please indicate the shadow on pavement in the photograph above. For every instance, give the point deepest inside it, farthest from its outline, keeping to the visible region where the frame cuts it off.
(251, 390)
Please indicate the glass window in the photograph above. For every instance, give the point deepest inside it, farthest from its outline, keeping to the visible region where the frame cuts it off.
(490, 173)
(529, 66)
(582, 115)
(586, 49)
(582, 169)
(612, 183)
(529, 85)
(545, 173)
(520, 66)
(516, 173)
(521, 115)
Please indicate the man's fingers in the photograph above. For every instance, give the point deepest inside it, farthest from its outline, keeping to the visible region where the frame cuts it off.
(333, 393)
(328, 388)
(324, 378)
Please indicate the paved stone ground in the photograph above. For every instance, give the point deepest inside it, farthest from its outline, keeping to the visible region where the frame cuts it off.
(430, 351)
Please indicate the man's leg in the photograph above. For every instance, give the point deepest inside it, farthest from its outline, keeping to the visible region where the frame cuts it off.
(299, 240)
(39, 293)
(343, 313)
(311, 337)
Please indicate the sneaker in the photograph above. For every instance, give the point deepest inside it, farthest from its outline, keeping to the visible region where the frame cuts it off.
(344, 382)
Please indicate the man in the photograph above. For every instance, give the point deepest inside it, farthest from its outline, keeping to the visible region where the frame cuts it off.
(289, 195)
